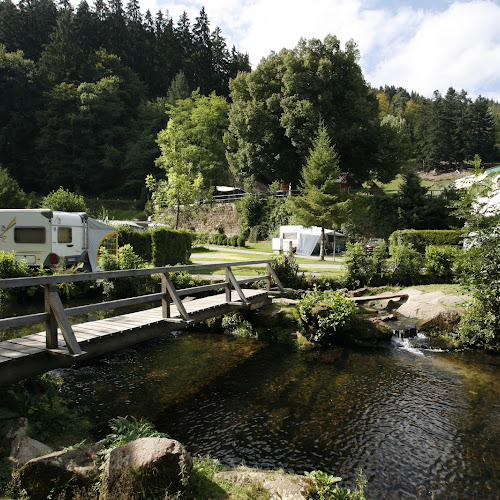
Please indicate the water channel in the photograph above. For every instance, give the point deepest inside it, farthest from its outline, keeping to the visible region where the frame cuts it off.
(419, 423)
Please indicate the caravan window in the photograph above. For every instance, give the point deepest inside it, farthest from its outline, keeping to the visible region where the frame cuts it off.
(64, 235)
(29, 235)
(290, 236)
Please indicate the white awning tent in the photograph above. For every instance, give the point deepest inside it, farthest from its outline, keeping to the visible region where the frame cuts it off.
(98, 232)
(306, 239)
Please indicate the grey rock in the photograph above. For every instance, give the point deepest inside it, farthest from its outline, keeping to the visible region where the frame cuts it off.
(279, 485)
(159, 463)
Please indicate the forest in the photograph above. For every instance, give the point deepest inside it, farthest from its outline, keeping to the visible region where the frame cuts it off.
(98, 98)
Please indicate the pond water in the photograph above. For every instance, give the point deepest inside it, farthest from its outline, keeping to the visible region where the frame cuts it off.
(420, 424)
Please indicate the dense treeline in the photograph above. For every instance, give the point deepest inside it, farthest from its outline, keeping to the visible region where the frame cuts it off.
(445, 131)
(95, 99)
(84, 92)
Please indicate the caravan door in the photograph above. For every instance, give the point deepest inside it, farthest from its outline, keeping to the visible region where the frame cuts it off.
(69, 236)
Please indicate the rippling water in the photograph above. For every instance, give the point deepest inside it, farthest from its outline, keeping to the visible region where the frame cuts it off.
(418, 423)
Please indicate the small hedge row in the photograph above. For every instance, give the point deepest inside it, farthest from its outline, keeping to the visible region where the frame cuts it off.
(223, 240)
(162, 246)
(420, 239)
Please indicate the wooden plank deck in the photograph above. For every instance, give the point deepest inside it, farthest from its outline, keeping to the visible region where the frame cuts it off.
(27, 356)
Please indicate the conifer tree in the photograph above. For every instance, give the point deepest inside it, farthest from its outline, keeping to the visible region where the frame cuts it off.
(322, 203)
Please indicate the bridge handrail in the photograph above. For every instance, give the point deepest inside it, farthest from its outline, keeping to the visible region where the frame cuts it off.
(77, 277)
(56, 315)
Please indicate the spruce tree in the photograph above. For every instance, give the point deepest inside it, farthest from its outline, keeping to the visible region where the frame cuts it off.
(322, 202)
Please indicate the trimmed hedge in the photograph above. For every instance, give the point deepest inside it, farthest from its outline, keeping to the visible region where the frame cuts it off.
(420, 239)
(170, 247)
(140, 241)
(161, 246)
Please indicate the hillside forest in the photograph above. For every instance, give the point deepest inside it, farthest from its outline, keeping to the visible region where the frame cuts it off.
(98, 98)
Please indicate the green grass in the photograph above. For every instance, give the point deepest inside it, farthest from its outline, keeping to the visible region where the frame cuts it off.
(261, 246)
(447, 289)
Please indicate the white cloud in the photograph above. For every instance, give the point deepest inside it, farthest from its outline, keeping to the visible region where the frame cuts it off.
(453, 44)
(457, 48)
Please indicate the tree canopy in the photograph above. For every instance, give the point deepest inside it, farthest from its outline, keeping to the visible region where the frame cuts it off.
(277, 107)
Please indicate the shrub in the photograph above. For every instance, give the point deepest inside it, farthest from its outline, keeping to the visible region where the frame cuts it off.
(408, 264)
(422, 238)
(170, 247)
(287, 270)
(440, 263)
(480, 274)
(237, 325)
(11, 268)
(326, 316)
(65, 201)
(140, 241)
(128, 285)
(359, 267)
(241, 241)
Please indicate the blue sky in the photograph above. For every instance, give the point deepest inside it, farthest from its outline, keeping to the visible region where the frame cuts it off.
(420, 45)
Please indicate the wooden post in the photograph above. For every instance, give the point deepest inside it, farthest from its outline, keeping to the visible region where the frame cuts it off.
(51, 341)
(228, 284)
(268, 277)
(165, 301)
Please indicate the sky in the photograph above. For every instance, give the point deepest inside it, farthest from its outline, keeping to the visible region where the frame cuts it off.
(422, 46)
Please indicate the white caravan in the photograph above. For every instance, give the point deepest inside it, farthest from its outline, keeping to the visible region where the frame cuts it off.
(44, 237)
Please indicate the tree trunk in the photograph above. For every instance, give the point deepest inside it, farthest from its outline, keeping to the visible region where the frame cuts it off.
(322, 244)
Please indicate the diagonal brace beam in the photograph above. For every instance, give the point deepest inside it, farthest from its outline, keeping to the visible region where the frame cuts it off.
(57, 309)
(231, 279)
(167, 282)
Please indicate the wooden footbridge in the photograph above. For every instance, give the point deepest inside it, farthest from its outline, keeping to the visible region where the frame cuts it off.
(63, 344)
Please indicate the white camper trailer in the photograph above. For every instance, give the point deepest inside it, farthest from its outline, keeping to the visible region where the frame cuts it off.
(44, 237)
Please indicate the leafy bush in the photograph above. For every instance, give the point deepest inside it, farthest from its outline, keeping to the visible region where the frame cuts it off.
(326, 316)
(241, 241)
(480, 274)
(287, 270)
(408, 264)
(40, 400)
(419, 239)
(11, 268)
(359, 267)
(237, 325)
(128, 285)
(65, 201)
(440, 263)
(329, 489)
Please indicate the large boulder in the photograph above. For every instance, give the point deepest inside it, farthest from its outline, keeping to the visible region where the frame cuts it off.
(442, 321)
(147, 464)
(20, 428)
(279, 485)
(61, 470)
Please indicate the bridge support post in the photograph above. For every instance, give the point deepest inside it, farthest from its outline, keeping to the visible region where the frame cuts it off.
(51, 341)
(167, 299)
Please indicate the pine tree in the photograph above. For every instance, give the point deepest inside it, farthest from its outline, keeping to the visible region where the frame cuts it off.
(322, 203)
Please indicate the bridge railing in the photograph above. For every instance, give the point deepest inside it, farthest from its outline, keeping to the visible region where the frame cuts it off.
(56, 316)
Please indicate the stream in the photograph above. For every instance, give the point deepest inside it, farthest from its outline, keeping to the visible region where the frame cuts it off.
(420, 423)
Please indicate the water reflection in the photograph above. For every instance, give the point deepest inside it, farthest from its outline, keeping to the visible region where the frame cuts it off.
(416, 425)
